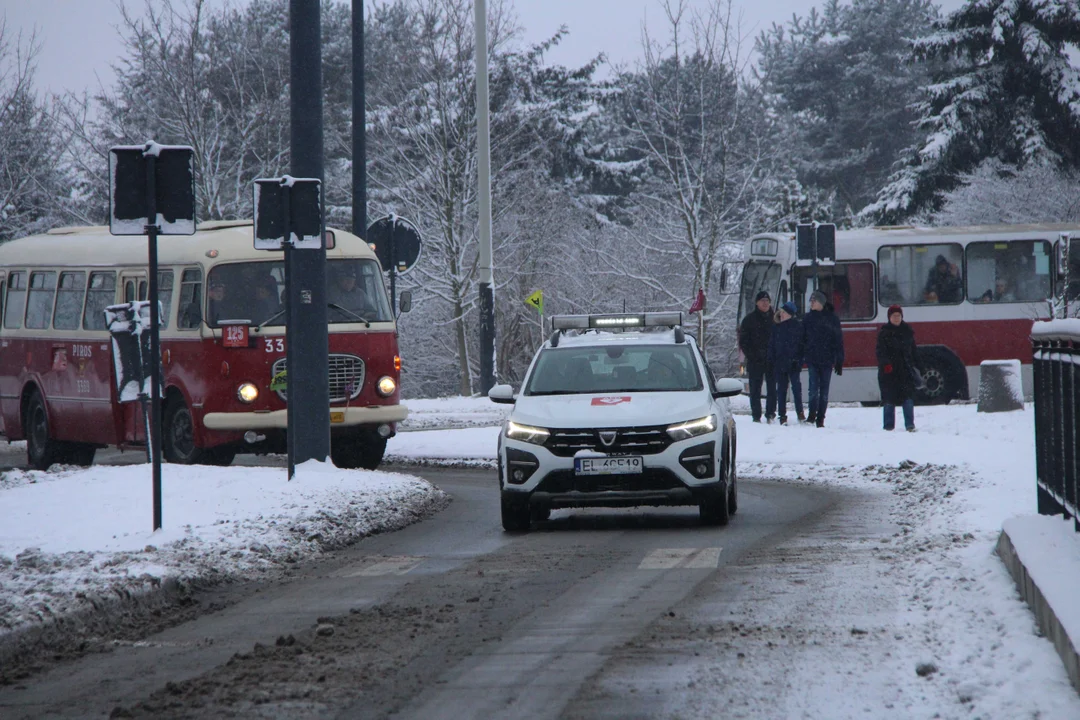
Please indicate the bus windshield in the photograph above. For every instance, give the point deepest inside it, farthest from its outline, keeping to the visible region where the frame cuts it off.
(614, 368)
(758, 276)
(255, 292)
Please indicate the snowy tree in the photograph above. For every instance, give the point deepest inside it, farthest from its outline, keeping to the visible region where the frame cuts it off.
(842, 80)
(698, 131)
(995, 193)
(34, 190)
(1007, 91)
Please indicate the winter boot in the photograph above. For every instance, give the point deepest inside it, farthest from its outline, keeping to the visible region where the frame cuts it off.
(820, 421)
(801, 416)
(811, 418)
(783, 419)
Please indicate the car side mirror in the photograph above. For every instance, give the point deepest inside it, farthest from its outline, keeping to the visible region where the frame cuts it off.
(405, 301)
(503, 394)
(727, 387)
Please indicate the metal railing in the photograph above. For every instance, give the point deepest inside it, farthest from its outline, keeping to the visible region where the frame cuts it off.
(1056, 368)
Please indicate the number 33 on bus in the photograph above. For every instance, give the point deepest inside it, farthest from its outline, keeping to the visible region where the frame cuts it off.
(225, 383)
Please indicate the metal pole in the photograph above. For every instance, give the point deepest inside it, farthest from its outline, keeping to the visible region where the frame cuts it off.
(154, 428)
(306, 329)
(483, 141)
(359, 129)
(290, 406)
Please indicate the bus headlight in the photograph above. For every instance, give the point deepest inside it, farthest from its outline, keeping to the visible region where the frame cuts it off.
(247, 392)
(386, 386)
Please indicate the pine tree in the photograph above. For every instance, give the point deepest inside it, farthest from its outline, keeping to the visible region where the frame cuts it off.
(1007, 90)
(840, 78)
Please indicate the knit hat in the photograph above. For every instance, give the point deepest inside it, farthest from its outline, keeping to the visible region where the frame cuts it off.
(818, 296)
(940, 259)
(789, 308)
(895, 309)
(763, 295)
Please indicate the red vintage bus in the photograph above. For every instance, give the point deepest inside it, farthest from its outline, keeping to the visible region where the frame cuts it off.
(970, 294)
(57, 381)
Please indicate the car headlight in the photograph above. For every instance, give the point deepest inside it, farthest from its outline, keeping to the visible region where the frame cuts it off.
(386, 386)
(692, 428)
(247, 392)
(526, 433)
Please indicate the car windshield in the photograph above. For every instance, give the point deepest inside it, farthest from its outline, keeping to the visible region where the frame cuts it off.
(614, 368)
(255, 291)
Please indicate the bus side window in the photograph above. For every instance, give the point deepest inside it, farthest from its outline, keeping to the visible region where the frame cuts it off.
(190, 312)
(39, 304)
(165, 293)
(69, 300)
(16, 300)
(100, 293)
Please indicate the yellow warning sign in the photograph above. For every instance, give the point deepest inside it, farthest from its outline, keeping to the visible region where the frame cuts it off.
(536, 300)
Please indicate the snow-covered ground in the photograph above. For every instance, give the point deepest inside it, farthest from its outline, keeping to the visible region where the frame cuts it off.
(69, 535)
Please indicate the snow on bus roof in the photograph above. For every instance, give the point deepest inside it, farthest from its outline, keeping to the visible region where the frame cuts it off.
(94, 246)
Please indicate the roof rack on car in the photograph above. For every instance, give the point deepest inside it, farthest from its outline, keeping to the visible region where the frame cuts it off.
(617, 321)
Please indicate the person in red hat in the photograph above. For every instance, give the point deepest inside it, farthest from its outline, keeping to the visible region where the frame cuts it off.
(899, 372)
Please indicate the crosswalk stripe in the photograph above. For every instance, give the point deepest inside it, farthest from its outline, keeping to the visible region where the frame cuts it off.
(386, 566)
(668, 558)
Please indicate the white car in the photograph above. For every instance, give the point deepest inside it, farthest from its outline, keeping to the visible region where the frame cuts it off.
(617, 411)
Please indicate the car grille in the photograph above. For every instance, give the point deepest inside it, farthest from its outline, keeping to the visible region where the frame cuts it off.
(647, 440)
(346, 375)
(651, 479)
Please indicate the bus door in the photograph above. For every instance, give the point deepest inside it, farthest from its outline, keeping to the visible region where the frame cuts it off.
(133, 287)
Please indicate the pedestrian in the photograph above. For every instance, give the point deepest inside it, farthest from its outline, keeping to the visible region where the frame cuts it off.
(823, 353)
(785, 355)
(754, 333)
(899, 372)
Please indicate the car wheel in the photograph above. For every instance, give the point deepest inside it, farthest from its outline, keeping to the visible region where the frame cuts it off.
(539, 513)
(41, 449)
(516, 516)
(733, 488)
(714, 509)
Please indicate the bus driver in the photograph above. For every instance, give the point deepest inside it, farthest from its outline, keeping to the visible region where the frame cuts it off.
(347, 293)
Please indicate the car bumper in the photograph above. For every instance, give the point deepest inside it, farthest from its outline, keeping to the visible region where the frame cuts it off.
(278, 419)
(665, 478)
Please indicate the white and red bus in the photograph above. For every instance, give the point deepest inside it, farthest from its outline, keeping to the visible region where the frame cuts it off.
(57, 382)
(969, 293)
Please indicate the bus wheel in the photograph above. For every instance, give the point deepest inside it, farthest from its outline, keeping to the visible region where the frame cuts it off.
(939, 374)
(364, 450)
(178, 436)
(41, 450)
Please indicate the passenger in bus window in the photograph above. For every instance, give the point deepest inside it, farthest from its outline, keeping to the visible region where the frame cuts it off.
(347, 293)
(221, 306)
(266, 303)
(943, 283)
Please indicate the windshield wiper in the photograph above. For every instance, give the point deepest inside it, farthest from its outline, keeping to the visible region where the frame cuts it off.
(335, 306)
(275, 316)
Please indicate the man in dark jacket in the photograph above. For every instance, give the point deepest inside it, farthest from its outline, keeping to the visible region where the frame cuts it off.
(754, 332)
(897, 359)
(785, 357)
(823, 353)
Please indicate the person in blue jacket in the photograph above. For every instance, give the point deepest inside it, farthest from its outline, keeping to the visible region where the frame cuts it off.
(785, 358)
(823, 353)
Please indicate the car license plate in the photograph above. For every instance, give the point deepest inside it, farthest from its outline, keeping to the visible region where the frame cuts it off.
(629, 465)
(337, 416)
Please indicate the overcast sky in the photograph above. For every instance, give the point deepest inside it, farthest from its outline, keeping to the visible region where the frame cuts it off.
(80, 42)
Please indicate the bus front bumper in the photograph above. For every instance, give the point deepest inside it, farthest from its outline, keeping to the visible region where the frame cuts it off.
(278, 419)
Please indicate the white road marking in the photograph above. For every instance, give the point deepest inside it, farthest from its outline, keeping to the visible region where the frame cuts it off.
(386, 566)
(669, 558)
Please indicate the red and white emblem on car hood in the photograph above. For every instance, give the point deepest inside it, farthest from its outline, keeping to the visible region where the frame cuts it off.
(611, 400)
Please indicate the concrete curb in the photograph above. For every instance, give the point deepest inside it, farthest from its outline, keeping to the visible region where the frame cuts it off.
(1044, 612)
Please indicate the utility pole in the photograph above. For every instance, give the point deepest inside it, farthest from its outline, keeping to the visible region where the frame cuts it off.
(483, 141)
(359, 128)
(307, 350)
